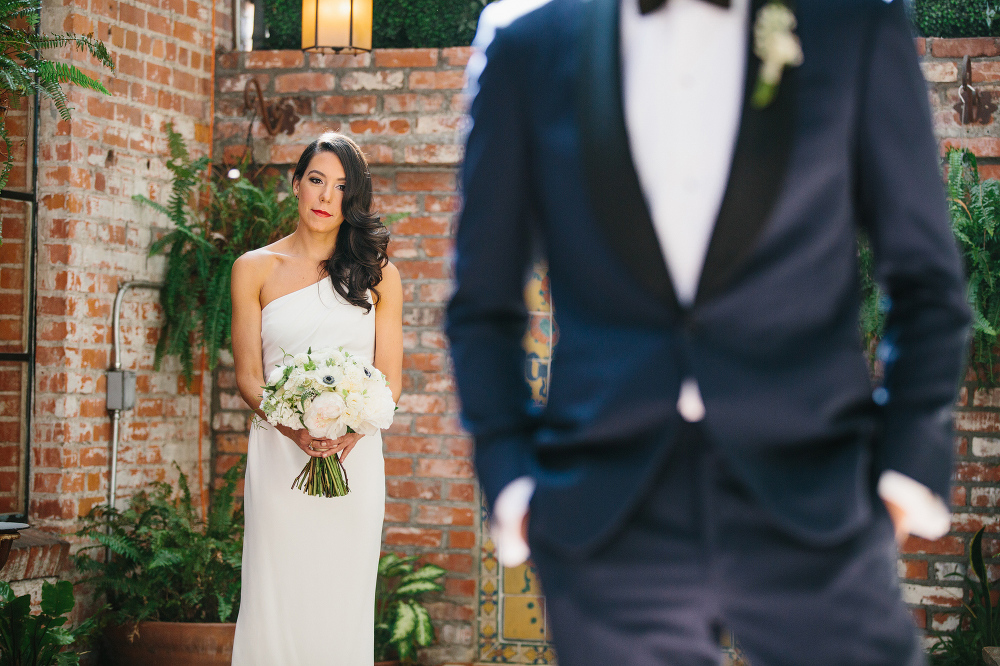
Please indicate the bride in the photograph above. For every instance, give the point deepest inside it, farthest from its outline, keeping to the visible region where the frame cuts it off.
(309, 563)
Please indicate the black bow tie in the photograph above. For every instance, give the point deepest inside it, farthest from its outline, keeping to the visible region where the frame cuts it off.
(646, 6)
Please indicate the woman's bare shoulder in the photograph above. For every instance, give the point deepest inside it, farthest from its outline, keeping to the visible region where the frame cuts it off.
(251, 270)
(390, 276)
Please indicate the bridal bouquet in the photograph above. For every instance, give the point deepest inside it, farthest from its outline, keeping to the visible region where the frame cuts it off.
(330, 393)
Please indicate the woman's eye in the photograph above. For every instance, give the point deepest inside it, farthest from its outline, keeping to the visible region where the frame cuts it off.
(315, 181)
(341, 187)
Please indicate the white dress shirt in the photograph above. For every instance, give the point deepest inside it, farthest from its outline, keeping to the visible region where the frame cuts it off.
(683, 80)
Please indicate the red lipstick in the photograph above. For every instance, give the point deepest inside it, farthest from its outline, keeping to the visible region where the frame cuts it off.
(321, 213)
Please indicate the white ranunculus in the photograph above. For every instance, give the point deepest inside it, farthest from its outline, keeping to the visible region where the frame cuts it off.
(323, 416)
(276, 374)
(300, 360)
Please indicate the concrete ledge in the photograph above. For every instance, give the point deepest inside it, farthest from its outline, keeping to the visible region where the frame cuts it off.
(36, 554)
(991, 656)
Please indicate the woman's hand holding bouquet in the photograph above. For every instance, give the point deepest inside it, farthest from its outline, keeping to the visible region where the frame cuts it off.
(325, 401)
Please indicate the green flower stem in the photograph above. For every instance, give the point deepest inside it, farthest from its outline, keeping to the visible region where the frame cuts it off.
(323, 477)
(763, 94)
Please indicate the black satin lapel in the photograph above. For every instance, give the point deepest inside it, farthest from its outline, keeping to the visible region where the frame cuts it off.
(760, 158)
(616, 196)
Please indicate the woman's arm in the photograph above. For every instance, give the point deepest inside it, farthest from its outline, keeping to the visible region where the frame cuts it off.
(389, 329)
(249, 273)
(247, 279)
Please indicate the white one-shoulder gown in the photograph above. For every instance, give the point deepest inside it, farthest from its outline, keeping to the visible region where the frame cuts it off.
(309, 563)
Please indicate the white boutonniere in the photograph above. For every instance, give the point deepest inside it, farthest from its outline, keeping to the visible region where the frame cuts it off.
(777, 46)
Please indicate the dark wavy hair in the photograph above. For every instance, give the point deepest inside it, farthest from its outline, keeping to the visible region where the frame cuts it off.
(357, 261)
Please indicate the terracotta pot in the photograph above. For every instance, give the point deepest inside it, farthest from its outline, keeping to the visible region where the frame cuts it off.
(171, 644)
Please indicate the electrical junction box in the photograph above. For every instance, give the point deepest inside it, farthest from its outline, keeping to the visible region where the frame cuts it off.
(121, 389)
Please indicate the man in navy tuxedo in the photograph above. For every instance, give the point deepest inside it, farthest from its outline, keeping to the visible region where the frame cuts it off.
(712, 453)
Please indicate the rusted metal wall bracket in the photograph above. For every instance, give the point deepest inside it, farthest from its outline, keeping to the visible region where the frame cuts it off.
(974, 106)
(277, 117)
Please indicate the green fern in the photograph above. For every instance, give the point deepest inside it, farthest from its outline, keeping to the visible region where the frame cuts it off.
(168, 565)
(239, 216)
(24, 71)
(974, 206)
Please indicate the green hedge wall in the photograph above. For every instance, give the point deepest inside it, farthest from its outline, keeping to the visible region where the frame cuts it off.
(955, 18)
(397, 23)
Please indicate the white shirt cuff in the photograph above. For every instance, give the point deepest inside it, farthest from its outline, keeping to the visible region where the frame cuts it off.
(508, 515)
(924, 513)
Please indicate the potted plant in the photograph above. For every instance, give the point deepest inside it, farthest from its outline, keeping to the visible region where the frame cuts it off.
(171, 580)
(402, 624)
(979, 626)
(40, 639)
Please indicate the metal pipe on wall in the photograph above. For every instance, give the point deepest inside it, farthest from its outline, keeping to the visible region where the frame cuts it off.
(121, 383)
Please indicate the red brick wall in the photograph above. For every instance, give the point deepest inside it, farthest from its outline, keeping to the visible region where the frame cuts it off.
(404, 108)
(924, 566)
(92, 237)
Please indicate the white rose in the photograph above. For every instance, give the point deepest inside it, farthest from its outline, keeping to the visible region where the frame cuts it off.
(275, 374)
(323, 415)
(379, 409)
(300, 359)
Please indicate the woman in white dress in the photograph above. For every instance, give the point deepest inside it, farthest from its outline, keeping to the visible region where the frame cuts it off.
(309, 563)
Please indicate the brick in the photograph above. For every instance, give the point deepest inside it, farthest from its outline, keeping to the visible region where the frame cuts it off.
(433, 154)
(338, 60)
(445, 515)
(982, 146)
(439, 124)
(417, 270)
(404, 444)
(946, 545)
(395, 203)
(382, 80)
(985, 71)
(397, 126)
(416, 403)
(385, 58)
(437, 80)
(913, 569)
(444, 468)
(432, 362)
(461, 539)
(931, 595)
(939, 72)
(442, 204)
(377, 153)
(426, 181)
(422, 226)
(460, 588)
(304, 81)
(969, 471)
(411, 489)
(454, 562)
(977, 47)
(958, 496)
(398, 466)
(920, 43)
(291, 59)
(457, 56)
(397, 513)
(345, 105)
(985, 447)
(412, 536)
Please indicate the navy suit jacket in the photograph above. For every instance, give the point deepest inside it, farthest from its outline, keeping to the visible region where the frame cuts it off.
(772, 337)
